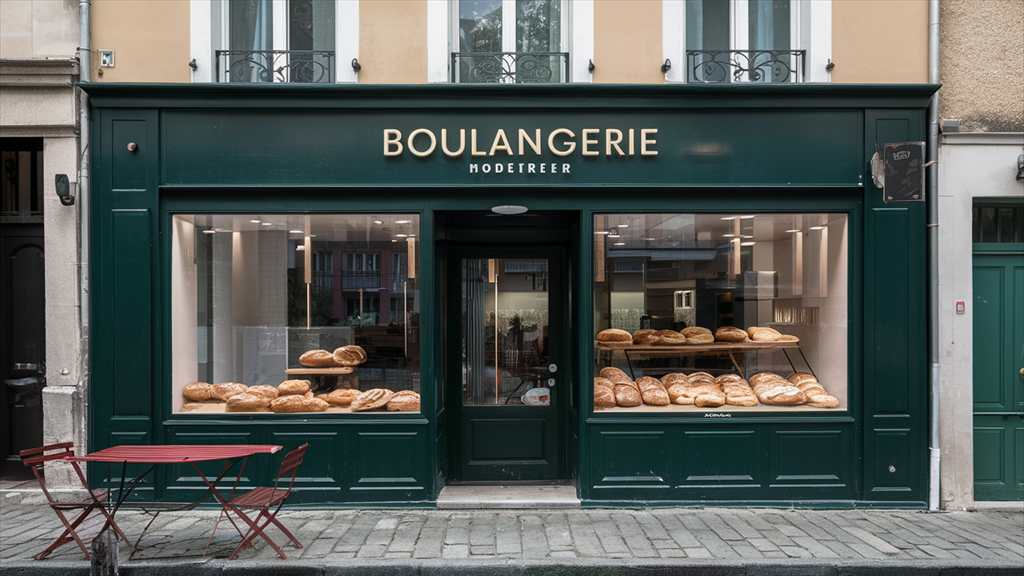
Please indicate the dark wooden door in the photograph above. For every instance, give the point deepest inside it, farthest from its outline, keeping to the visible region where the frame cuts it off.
(23, 326)
(506, 324)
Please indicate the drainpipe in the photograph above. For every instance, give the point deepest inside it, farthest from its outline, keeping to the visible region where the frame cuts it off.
(84, 204)
(933, 257)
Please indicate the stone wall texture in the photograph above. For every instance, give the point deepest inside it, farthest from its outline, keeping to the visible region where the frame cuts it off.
(982, 64)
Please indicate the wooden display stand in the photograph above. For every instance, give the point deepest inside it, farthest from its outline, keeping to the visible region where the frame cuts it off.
(720, 349)
(346, 375)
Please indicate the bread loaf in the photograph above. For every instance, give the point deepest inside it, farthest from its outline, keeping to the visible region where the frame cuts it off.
(297, 403)
(263, 390)
(675, 378)
(317, 359)
(627, 395)
(342, 397)
(371, 399)
(709, 400)
(645, 337)
(614, 335)
(677, 394)
(609, 371)
(247, 402)
(701, 339)
(772, 389)
(731, 334)
(289, 387)
(701, 377)
(404, 401)
(603, 382)
(226, 390)
(800, 377)
(198, 391)
(349, 356)
(653, 392)
(603, 397)
(765, 335)
(670, 338)
(694, 331)
(788, 338)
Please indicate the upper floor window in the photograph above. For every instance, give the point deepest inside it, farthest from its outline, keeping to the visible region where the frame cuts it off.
(743, 41)
(278, 41)
(505, 41)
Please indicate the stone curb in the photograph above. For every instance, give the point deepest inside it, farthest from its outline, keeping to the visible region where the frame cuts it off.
(581, 567)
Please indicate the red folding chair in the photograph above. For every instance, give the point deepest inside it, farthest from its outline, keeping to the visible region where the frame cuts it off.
(263, 499)
(36, 458)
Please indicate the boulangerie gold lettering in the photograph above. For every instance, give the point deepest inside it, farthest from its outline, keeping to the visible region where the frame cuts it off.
(560, 142)
(444, 142)
(500, 143)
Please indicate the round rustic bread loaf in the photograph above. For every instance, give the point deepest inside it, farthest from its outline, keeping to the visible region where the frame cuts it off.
(670, 338)
(731, 334)
(291, 387)
(226, 390)
(198, 391)
(694, 331)
(614, 335)
(247, 402)
(317, 359)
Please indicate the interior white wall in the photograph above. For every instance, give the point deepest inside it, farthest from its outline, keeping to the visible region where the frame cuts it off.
(184, 347)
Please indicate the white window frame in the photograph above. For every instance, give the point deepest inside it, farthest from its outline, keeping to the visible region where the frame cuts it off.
(209, 33)
(577, 36)
(810, 30)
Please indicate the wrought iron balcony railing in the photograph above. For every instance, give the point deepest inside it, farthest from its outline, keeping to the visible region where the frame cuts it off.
(745, 65)
(510, 67)
(298, 66)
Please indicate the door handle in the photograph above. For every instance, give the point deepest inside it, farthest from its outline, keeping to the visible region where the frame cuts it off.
(26, 366)
(1022, 373)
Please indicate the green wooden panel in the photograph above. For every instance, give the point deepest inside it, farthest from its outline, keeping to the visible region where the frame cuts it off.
(998, 458)
(181, 483)
(130, 168)
(632, 459)
(132, 309)
(791, 463)
(505, 439)
(706, 466)
(891, 312)
(892, 465)
(322, 474)
(389, 466)
(993, 358)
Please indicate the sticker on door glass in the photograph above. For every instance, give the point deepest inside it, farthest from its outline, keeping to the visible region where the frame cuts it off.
(537, 397)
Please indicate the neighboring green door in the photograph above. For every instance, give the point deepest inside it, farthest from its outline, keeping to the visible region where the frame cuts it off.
(998, 373)
(505, 314)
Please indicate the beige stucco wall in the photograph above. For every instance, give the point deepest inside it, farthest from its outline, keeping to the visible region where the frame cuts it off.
(392, 42)
(627, 42)
(150, 40)
(981, 64)
(880, 41)
(38, 29)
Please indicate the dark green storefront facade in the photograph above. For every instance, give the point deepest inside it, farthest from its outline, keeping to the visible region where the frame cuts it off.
(315, 150)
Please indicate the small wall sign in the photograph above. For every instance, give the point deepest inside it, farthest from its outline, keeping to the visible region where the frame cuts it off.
(904, 172)
(961, 308)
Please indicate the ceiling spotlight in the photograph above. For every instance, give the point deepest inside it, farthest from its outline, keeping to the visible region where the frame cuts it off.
(378, 221)
(729, 218)
(295, 231)
(509, 209)
(648, 239)
(728, 235)
(746, 217)
(817, 227)
(791, 231)
(254, 221)
(614, 235)
(209, 231)
(620, 243)
(403, 221)
(300, 247)
(267, 223)
(623, 225)
(745, 237)
(600, 231)
(402, 235)
(746, 243)
(394, 240)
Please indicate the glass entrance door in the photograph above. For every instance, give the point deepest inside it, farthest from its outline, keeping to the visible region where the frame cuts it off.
(508, 348)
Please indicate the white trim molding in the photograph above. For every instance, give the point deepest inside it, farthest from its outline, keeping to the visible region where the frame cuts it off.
(346, 40)
(201, 39)
(581, 41)
(438, 55)
(673, 38)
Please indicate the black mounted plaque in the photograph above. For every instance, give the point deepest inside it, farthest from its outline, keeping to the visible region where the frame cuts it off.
(904, 172)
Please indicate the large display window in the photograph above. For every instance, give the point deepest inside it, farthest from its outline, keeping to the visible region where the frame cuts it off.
(727, 312)
(295, 313)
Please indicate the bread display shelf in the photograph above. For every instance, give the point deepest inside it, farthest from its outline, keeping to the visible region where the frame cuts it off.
(727, 349)
(332, 371)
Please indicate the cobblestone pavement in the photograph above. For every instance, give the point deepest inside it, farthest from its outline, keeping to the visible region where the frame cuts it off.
(990, 540)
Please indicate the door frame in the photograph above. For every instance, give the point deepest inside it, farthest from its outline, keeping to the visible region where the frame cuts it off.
(559, 333)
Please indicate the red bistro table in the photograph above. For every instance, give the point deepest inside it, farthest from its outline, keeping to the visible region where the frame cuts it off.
(174, 454)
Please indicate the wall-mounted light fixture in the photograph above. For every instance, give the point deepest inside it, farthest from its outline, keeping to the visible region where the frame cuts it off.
(1020, 167)
(666, 66)
(64, 189)
(356, 67)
